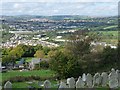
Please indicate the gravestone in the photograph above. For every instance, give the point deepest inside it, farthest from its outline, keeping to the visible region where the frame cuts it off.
(80, 83)
(68, 80)
(113, 81)
(62, 86)
(40, 83)
(47, 84)
(89, 80)
(84, 77)
(97, 79)
(104, 81)
(71, 82)
(118, 77)
(8, 85)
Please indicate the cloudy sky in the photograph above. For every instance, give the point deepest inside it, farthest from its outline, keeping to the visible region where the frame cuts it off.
(60, 7)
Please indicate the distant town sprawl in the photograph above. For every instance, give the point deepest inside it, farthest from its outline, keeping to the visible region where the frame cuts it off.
(52, 31)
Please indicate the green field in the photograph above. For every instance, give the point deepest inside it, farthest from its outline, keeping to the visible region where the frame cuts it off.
(34, 84)
(110, 37)
(41, 73)
(114, 33)
(109, 27)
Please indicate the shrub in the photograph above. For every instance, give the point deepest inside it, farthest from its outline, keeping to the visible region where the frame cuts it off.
(44, 65)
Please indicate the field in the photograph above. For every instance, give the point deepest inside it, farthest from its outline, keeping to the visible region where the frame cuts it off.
(41, 73)
(110, 37)
(114, 26)
(114, 33)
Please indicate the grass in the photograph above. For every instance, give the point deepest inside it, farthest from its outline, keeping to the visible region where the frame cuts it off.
(28, 59)
(114, 33)
(109, 27)
(34, 84)
(41, 73)
(109, 37)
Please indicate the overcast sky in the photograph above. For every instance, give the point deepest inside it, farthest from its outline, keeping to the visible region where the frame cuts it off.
(60, 7)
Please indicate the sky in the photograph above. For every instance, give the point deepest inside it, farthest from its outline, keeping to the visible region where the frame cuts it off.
(59, 7)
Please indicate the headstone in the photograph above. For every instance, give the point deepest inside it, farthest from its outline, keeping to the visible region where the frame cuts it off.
(113, 81)
(68, 80)
(104, 81)
(71, 82)
(47, 84)
(62, 86)
(84, 77)
(8, 85)
(118, 77)
(97, 79)
(40, 83)
(89, 80)
(80, 83)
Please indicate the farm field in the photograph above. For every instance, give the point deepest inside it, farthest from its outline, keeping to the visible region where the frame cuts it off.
(110, 37)
(114, 33)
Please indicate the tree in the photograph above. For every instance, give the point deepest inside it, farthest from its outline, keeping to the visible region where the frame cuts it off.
(39, 54)
(46, 50)
(16, 52)
(64, 65)
(38, 47)
(6, 59)
(109, 58)
(78, 46)
(51, 54)
(28, 50)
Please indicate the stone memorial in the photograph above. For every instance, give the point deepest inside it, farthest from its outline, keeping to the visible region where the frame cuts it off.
(113, 81)
(80, 83)
(104, 81)
(118, 77)
(84, 77)
(8, 85)
(47, 84)
(89, 80)
(97, 79)
(71, 82)
(62, 86)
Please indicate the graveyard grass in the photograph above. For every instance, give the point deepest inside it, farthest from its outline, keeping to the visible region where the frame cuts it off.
(35, 84)
(41, 73)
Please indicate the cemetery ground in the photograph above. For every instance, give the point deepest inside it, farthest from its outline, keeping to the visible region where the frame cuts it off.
(43, 74)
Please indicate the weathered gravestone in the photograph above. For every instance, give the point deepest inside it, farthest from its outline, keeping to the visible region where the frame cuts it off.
(71, 82)
(84, 77)
(89, 80)
(47, 84)
(62, 86)
(118, 77)
(80, 83)
(8, 86)
(97, 79)
(113, 81)
(104, 81)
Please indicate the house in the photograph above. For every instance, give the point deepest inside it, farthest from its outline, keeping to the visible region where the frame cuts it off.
(33, 62)
(2, 68)
(20, 64)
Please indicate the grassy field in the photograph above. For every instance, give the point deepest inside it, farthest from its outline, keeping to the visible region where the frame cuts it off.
(41, 73)
(114, 33)
(109, 36)
(109, 27)
(34, 84)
